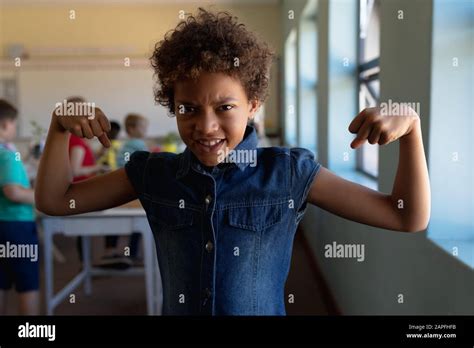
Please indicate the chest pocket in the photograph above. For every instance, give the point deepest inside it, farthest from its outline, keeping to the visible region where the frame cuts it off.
(169, 217)
(256, 217)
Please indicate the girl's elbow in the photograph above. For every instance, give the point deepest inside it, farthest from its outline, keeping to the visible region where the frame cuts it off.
(419, 225)
(42, 207)
(46, 207)
(416, 220)
(415, 228)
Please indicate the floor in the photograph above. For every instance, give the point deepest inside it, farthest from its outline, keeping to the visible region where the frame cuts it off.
(128, 298)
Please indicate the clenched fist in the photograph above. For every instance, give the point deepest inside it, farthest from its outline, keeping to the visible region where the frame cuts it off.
(378, 128)
(85, 123)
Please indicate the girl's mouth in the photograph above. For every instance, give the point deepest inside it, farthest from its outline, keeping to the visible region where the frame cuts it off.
(210, 146)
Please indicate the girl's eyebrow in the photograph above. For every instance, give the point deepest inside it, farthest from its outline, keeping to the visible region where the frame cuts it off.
(221, 101)
(226, 100)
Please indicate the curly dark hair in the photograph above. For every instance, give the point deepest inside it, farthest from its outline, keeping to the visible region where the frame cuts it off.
(211, 42)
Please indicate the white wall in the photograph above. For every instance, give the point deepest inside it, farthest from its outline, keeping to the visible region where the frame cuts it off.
(116, 90)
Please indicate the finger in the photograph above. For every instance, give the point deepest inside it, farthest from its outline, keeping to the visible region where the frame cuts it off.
(96, 128)
(374, 135)
(86, 130)
(104, 140)
(362, 134)
(77, 130)
(357, 122)
(384, 139)
(103, 121)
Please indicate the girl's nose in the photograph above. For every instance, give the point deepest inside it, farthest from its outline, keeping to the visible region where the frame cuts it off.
(207, 123)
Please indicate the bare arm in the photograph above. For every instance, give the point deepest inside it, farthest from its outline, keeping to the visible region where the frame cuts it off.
(411, 193)
(407, 208)
(19, 194)
(55, 193)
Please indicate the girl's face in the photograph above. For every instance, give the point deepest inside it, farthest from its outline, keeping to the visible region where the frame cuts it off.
(140, 129)
(7, 130)
(212, 114)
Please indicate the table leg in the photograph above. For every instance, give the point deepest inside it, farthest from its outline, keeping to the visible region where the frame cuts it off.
(86, 263)
(48, 268)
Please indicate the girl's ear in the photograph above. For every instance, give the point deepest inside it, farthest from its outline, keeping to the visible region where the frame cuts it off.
(254, 105)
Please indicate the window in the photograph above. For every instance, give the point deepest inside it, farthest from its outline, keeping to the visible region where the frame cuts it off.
(290, 90)
(451, 155)
(342, 85)
(307, 126)
(369, 83)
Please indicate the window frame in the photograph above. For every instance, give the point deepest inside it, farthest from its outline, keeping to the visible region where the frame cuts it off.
(367, 72)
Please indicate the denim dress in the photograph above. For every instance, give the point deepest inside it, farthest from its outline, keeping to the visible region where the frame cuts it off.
(224, 235)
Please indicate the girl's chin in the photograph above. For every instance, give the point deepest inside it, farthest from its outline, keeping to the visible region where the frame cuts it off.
(208, 161)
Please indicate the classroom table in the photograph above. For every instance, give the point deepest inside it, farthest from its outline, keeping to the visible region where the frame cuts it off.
(116, 221)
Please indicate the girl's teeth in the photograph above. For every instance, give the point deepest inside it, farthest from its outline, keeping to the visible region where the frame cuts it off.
(210, 143)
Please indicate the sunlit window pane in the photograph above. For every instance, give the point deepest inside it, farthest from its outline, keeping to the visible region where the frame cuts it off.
(290, 89)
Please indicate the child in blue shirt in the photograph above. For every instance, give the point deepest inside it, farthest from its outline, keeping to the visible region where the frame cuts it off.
(136, 127)
(17, 222)
(224, 212)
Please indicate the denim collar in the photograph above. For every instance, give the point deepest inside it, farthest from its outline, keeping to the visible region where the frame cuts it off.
(188, 159)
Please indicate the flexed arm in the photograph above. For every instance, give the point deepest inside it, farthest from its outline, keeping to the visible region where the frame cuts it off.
(407, 208)
(55, 194)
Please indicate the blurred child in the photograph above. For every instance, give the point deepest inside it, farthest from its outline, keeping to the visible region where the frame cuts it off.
(82, 157)
(108, 157)
(17, 222)
(136, 128)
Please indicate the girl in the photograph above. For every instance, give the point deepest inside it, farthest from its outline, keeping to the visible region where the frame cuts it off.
(224, 227)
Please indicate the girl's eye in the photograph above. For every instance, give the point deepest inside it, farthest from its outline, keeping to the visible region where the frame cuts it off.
(226, 107)
(185, 109)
